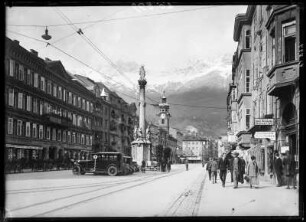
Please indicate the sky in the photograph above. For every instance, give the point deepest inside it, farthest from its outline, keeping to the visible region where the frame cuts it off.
(174, 43)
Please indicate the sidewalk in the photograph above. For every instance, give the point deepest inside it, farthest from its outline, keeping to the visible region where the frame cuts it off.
(267, 200)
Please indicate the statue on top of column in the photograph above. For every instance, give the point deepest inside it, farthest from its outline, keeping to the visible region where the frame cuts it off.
(142, 73)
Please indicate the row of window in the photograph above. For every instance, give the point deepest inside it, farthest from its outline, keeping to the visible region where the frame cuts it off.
(288, 41)
(196, 143)
(26, 75)
(34, 130)
(247, 118)
(30, 103)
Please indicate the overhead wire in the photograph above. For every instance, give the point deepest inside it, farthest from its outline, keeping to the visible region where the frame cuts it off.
(153, 104)
(95, 47)
(88, 26)
(67, 54)
(104, 56)
(78, 60)
(116, 19)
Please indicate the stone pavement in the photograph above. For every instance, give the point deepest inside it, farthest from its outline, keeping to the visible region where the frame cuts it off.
(266, 200)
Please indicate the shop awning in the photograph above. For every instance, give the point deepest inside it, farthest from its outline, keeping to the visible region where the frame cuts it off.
(23, 147)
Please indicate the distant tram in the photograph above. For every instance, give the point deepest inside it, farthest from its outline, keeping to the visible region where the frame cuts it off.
(111, 163)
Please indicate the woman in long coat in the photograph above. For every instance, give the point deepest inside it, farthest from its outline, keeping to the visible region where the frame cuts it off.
(252, 172)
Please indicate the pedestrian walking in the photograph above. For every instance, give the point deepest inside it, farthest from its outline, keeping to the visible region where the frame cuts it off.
(214, 168)
(208, 168)
(278, 168)
(223, 165)
(290, 165)
(242, 170)
(231, 168)
(186, 164)
(168, 166)
(143, 166)
(252, 172)
(236, 169)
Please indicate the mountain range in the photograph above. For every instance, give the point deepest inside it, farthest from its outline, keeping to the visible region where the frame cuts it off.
(199, 103)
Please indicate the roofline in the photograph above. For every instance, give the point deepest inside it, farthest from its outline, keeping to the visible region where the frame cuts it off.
(243, 19)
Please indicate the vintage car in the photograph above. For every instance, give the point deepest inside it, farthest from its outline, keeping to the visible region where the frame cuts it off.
(111, 163)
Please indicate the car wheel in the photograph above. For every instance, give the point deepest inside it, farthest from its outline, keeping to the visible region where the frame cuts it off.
(76, 170)
(112, 171)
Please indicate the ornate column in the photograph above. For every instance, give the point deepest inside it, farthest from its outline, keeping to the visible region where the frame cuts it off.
(141, 144)
(142, 103)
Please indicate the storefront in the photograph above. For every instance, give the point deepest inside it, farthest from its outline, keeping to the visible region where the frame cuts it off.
(15, 152)
(262, 144)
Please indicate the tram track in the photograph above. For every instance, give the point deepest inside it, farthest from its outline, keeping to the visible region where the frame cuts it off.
(85, 197)
(68, 187)
(188, 202)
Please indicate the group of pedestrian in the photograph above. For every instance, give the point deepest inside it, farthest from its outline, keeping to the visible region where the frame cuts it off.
(286, 167)
(236, 166)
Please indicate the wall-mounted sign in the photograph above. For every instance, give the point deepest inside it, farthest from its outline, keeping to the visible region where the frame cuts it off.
(266, 122)
(265, 135)
(284, 149)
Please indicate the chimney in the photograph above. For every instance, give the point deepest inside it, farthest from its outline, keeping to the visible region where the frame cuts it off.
(47, 59)
(34, 52)
(16, 42)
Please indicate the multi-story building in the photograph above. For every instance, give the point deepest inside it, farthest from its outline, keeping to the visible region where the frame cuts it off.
(241, 71)
(158, 137)
(48, 114)
(193, 148)
(52, 114)
(122, 119)
(101, 114)
(178, 135)
(270, 34)
(172, 144)
(114, 118)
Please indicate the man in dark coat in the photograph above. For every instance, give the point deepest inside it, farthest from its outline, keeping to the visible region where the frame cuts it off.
(223, 165)
(278, 168)
(236, 169)
(186, 164)
(208, 168)
(290, 168)
(242, 170)
(231, 168)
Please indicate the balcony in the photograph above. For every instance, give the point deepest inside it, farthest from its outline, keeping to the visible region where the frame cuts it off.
(54, 119)
(282, 77)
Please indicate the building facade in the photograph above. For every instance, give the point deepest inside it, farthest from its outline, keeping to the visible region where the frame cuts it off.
(193, 148)
(113, 118)
(178, 135)
(51, 114)
(270, 34)
(48, 114)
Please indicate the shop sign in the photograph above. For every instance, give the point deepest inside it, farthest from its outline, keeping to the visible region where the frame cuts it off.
(265, 135)
(284, 149)
(254, 140)
(264, 122)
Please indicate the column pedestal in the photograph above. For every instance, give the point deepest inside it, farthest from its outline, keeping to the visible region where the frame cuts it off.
(141, 151)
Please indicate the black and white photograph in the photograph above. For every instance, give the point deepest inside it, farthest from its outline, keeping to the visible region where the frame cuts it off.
(152, 110)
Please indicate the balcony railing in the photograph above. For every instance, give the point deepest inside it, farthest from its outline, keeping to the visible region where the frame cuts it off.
(57, 120)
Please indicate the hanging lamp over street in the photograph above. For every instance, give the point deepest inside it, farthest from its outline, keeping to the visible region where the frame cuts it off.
(46, 36)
